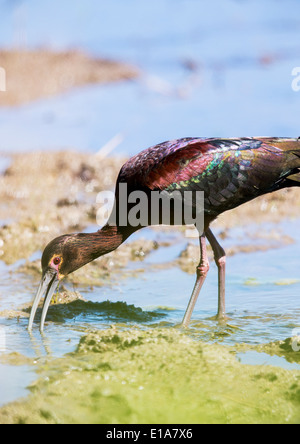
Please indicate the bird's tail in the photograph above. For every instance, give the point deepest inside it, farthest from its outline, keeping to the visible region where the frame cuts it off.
(291, 148)
(295, 179)
(294, 161)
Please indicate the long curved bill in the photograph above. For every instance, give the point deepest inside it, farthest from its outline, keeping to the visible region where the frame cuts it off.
(47, 286)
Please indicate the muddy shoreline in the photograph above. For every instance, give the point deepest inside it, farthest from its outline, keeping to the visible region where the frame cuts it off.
(31, 75)
(44, 195)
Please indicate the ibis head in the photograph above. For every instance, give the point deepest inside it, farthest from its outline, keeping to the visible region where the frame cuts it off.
(61, 257)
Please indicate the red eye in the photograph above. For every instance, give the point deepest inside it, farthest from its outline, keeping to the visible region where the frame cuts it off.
(56, 260)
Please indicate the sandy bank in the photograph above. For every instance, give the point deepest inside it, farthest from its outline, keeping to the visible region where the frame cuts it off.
(31, 75)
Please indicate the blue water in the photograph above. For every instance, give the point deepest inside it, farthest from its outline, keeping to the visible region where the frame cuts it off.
(14, 381)
(255, 358)
(242, 54)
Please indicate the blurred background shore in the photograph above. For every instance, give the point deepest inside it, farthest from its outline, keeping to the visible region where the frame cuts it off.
(39, 74)
(196, 68)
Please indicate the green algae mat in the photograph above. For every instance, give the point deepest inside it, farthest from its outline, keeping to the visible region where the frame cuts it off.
(155, 376)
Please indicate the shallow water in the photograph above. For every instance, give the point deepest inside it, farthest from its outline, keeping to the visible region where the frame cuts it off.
(262, 304)
(256, 358)
(14, 381)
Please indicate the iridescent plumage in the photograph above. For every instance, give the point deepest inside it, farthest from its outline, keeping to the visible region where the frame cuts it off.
(229, 171)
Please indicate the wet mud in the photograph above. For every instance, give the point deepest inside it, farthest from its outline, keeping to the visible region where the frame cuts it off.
(155, 376)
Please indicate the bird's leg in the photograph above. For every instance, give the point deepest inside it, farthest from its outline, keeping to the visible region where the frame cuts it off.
(202, 271)
(220, 259)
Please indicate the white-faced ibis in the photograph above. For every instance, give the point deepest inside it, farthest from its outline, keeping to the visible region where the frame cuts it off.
(230, 172)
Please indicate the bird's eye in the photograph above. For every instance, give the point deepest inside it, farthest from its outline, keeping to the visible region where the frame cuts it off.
(56, 260)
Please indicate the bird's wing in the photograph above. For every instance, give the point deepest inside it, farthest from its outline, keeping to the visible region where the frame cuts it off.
(164, 164)
(229, 171)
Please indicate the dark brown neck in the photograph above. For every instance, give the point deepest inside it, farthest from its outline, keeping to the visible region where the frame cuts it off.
(108, 239)
(86, 247)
